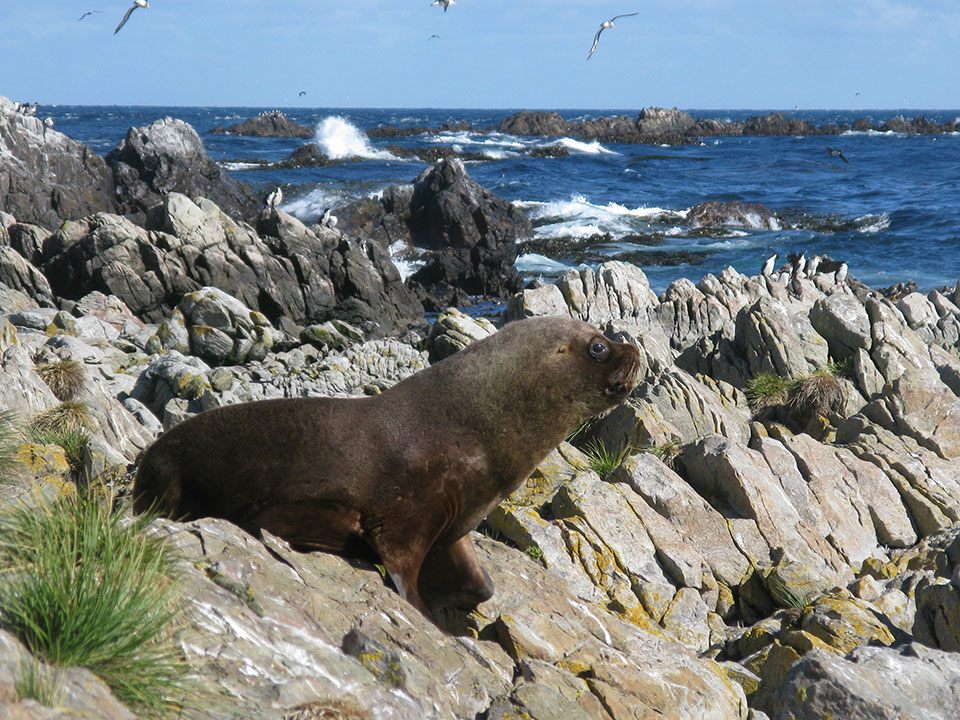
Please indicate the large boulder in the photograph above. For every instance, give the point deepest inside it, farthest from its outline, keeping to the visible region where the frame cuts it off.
(660, 121)
(168, 156)
(471, 232)
(47, 177)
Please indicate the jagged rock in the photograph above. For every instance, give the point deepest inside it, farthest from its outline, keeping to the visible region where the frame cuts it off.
(267, 124)
(168, 156)
(472, 232)
(907, 683)
(716, 213)
(17, 273)
(294, 277)
(842, 321)
(48, 178)
(453, 331)
(660, 121)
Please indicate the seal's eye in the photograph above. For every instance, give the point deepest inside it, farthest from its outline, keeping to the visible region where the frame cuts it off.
(599, 350)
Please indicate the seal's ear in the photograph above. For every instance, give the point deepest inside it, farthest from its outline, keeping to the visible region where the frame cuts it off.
(563, 348)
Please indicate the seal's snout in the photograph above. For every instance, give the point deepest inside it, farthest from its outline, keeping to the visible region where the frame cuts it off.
(627, 376)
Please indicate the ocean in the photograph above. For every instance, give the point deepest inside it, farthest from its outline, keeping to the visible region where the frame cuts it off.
(892, 213)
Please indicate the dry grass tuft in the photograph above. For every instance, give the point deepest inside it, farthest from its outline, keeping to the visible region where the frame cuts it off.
(63, 377)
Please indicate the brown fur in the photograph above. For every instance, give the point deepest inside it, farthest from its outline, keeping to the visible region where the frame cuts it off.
(408, 473)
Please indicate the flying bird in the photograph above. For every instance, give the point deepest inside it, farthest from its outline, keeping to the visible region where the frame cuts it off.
(136, 4)
(302, 93)
(836, 153)
(433, 36)
(603, 26)
(88, 12)
(445, 3)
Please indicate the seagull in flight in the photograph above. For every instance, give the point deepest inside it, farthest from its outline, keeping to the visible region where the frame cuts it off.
(603, 26)
(836, 153)
(445, 3)
(88, 12)
(302, 93)
(136, 4)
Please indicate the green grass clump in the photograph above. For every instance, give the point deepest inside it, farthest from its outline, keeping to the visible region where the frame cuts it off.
(67, 416)
(63, 377)
(9, 437)
(533, 552)
(38, 682)
(64, 425)
(81, 586)
(666, 452)
(839, 368)
(603, 461)
(767, 390)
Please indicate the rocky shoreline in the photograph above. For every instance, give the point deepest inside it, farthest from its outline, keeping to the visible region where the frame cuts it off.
(652, 125)
(751, 555)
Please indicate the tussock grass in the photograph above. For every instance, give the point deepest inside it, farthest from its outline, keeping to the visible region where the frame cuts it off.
(603, 461)
(816, 394)
(9, 437)
(67, 416)
(767, 390)
(63, 377)
(80, 585)
(38, 682)
(666, 452)
(64, 425)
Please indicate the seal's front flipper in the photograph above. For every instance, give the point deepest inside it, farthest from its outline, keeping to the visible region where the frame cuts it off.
(451, 576)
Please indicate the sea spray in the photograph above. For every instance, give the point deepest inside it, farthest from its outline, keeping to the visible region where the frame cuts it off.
(337, 138)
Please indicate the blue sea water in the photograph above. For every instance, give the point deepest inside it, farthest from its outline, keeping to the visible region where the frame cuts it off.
(893, 212)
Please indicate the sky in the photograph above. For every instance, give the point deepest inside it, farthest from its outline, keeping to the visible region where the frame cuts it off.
(695, 54)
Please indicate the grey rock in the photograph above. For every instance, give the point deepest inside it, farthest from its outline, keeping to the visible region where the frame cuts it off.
(168, 156)
(48, 178)
(909, 683)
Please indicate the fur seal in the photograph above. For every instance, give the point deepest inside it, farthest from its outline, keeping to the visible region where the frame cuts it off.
(407, 473)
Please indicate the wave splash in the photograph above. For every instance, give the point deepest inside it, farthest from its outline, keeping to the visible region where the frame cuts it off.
(337, 138)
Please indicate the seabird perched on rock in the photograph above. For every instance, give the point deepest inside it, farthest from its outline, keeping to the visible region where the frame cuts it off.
(768, 265)
(841, 275)
(136, 4)
(88, 12)
(813, 265)
(29, 109)
(603, 26)
(836, 153)
(445, 3)
(328, 220)
(797, 263)
(48, 122)
(275, 198)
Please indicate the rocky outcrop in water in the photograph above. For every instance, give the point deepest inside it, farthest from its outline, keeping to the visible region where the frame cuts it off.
(267, 124)
(470, 232)
(47, 177)
(168, 156)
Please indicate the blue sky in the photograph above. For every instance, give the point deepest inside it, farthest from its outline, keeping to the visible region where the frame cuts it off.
(490, 53)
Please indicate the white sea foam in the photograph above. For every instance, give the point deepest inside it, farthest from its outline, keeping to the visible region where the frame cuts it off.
(498, 154)
(402, 257)
(338, 138)
(579, 218)
(310, 207)
(872, 223)
(239, 165)
(532, 263)
(587, 148)
(464, 137)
